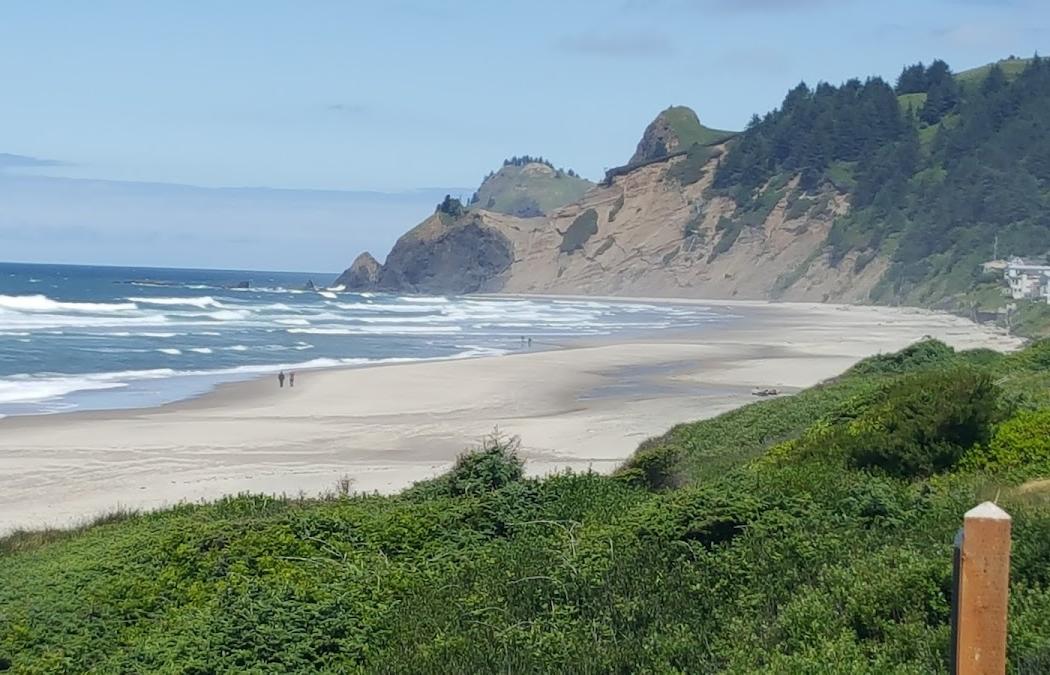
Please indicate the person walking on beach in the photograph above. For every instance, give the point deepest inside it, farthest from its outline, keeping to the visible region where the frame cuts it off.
(280, 379)
(291, 379)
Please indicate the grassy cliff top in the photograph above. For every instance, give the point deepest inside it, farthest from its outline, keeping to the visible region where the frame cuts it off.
(686, 125)
(529, 190)
(1011, 67)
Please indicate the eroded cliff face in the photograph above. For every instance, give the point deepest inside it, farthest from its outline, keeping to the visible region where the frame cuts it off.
(655, 237)
(642, 234)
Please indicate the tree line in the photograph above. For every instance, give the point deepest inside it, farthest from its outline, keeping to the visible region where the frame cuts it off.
(933, 179)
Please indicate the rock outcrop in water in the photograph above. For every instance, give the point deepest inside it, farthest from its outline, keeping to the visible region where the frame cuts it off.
(450, 254)
(362, 275)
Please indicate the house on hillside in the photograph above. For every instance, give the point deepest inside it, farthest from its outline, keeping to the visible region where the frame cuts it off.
(1027, 281)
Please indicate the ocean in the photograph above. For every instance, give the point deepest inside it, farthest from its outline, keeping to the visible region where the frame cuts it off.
(101, 338)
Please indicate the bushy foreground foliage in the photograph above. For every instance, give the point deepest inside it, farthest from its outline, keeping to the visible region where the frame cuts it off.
(751, 542)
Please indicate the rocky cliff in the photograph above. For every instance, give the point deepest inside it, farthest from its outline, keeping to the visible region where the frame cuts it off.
(363, 273)
(659, 229)
(674, 130)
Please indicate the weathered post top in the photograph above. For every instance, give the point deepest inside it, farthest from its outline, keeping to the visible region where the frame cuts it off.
(987, 511)
(984, 582)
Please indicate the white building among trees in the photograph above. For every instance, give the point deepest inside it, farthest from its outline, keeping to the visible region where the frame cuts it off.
(1027, 281)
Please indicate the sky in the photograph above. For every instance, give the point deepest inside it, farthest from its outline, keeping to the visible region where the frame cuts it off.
(404, 97)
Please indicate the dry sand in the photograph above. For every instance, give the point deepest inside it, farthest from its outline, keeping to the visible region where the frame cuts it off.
(385, 427)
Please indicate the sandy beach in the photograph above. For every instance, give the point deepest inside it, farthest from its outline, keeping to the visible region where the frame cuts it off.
(585, 406)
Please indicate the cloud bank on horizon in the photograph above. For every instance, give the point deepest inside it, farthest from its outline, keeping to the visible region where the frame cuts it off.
(61, 220)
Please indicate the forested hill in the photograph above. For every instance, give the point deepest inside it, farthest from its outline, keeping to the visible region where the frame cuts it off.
(937, 169)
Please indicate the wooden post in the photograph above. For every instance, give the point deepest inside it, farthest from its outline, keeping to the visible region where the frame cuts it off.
(983, 585)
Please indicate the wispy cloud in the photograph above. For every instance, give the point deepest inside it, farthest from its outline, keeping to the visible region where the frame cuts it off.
(617, 45)
(983, 34)
(9, 161)
(351, 109)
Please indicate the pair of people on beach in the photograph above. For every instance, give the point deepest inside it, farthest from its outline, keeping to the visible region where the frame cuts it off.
(281, 376)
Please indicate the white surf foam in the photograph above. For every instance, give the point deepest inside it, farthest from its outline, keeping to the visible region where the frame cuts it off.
(42, 303)
(230, 315)
(385, 307)
(24, 388)
(126, 333)
(201, 302)
(378, 330)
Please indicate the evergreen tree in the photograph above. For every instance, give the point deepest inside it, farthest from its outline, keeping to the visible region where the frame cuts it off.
(943, 93)
(912, 80)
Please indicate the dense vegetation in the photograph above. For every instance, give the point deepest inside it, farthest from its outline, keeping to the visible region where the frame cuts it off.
(941, 171)
(517, 191)
(809, 533)
(528, 159)
(450, 206)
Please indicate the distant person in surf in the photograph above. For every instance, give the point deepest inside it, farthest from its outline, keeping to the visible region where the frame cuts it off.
(280, 379)
(291, 379)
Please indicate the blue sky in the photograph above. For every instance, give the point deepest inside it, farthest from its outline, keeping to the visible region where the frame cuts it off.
(399, 95)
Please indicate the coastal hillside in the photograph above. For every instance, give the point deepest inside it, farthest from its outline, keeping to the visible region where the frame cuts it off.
(674, 130)
(528, 187)
(810, 533)
(861, 192)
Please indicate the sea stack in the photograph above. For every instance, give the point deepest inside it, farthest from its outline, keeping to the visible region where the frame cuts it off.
(363, 274)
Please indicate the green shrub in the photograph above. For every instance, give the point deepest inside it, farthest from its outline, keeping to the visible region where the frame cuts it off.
(493, 464)
(654, 465)
(730, 230)
(583, 228)
(615, 208)
(799, 207)
(692, 226)
(926, 423)
(690, 169)
(1035, 357)
(1023, 439)
(919, 355)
